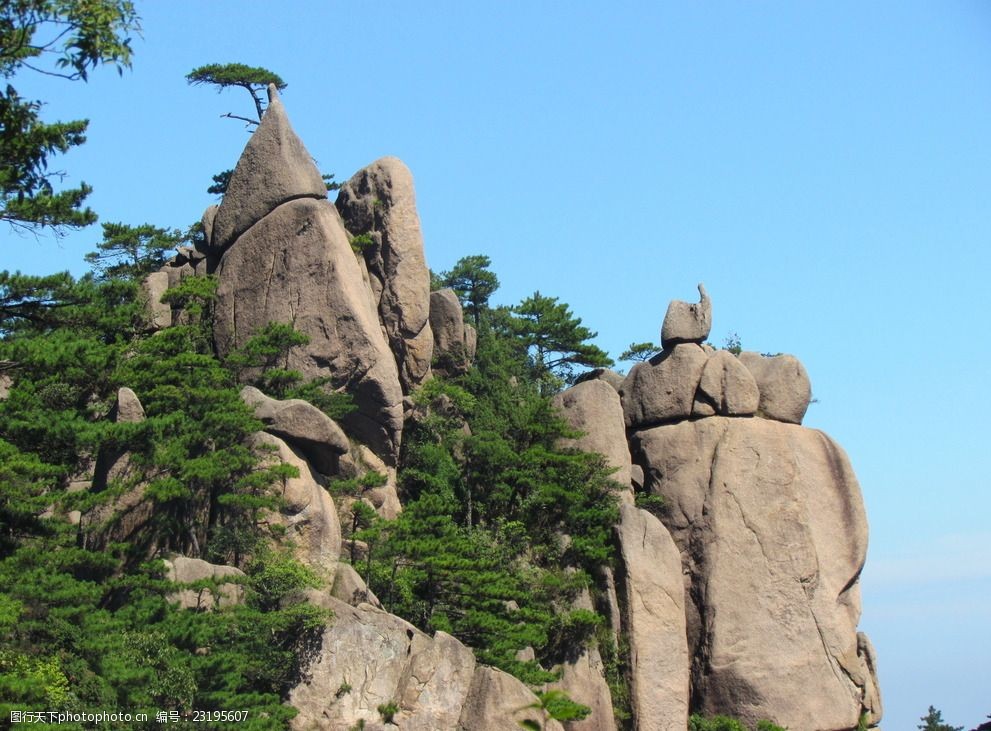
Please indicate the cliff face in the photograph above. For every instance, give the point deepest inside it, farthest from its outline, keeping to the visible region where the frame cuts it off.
(741, 598)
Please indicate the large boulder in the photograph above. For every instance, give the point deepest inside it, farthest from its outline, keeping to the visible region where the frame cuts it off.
(687, 322)
(152, 288)
(653, 592)
(350, 588)
(208, 590)
(770, 523)
(274, 168)
(296, 266)
(454, 340)
(307, 514)
(499, 702)
(663, 388)
(369, 658)
(593, 408)
(611, 377)
(302, 425)
(785, 390)
(379, 203)
(726, 388)
(583, 679)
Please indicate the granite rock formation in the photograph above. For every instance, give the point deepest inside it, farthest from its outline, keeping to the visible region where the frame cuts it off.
(740, 596)
(287, 258)
(378, 204)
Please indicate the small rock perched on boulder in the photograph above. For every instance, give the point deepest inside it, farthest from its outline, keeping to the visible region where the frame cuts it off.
(687, 322)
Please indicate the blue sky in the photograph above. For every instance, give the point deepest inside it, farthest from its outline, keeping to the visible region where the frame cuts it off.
(824, 168)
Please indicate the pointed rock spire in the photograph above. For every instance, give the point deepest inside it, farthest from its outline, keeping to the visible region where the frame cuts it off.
(274, 168)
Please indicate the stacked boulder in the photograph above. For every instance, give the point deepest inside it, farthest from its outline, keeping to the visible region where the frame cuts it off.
(285, 257)
(739, 597)
(769, 522)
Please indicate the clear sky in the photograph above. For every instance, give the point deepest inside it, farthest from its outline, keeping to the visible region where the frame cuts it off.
(824, 168)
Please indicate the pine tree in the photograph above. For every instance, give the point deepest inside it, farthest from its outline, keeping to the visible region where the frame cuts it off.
(933, 721)
(473, 282)
(80, 35)
(556, 339)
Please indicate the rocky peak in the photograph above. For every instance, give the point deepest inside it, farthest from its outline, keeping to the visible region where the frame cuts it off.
(274, 168)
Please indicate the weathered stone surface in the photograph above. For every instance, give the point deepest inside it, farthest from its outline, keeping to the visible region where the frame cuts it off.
(184, 570)
(379, 202)
(654, 594)
(152, 288)
(727, 388)
(128, 408)
(771, 527)
(593, 407)
(785, 390)
(302, 425)
(687, 322)
(636, 476)
(369, 658)
(296, 266)
(274, 168)
(583, 679)
(5, 385)
(454, 341)
(499, 702)
(385, 498)
(872, 691)
(114, 465)
(663, 388)
(209, 216)
(308, 513)
(350, 588)
(603, 374)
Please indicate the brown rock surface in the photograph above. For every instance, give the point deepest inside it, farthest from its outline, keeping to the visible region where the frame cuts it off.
(302, 425)
(687, 322)
(726, 388)
(152, 288)
(499, 702)
(771, 527)
(184, 570)
(654, 598)
(296, 266)
(369, 658)
(593, 407)
(379, 201)
(454, 341)
(785, 390)
(350, 588)
(274, 168)
(308, 513)
(663, 388)
(583, 679)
